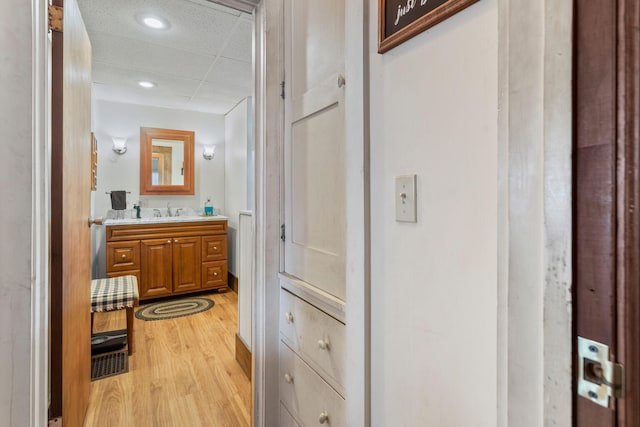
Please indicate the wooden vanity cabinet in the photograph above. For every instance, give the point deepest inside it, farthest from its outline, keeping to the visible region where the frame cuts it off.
(169, 258)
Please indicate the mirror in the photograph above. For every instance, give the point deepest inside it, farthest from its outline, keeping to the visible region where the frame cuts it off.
(166, 161)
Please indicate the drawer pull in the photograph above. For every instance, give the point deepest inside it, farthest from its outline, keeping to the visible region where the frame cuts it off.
(215, 273)
(288, 378)
(323, 344)
(175, 241)
(215, 248)
(123, 256)
(169, 241)
(323, 418)
(288, 317)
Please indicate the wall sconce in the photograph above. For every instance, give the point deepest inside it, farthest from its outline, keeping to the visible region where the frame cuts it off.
(119, 145)
(208, 151)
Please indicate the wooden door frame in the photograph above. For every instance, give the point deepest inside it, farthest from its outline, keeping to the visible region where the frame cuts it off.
(625, 173)
(628, 197)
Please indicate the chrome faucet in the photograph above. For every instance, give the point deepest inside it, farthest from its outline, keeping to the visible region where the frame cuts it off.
(178, 211)
(169, 209)
(156, 213)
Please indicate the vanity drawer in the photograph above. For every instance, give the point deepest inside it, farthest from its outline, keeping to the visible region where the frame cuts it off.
(123, 256)
(306, 395)
(286, 420)
(214, 248)
(317, 337)
(214, 274)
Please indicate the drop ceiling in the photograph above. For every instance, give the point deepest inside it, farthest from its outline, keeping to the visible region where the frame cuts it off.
(202, 62)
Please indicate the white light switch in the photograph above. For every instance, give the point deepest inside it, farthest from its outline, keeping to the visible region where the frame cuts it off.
(406, 198)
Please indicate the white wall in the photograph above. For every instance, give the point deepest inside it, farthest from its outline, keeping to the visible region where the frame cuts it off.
(434, 113)
(122, 172)
(236, 127)
(16, 170)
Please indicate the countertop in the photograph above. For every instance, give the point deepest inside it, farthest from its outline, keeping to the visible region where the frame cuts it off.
(164, 219)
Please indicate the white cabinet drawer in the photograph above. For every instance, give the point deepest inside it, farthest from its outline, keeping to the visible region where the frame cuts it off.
(318, 338)
(286, 420)
(307, 396)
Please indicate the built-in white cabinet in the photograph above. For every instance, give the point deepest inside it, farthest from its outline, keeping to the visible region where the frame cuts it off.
(308, 381)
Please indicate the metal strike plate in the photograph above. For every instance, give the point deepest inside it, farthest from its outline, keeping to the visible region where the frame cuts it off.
(599, 379)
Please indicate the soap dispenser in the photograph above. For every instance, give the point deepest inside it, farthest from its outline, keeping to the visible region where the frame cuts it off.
(208, 208)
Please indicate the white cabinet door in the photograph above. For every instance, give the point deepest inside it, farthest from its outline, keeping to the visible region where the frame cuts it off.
(315, 143)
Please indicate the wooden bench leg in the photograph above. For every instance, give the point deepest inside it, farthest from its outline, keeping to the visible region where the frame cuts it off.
(130, 340)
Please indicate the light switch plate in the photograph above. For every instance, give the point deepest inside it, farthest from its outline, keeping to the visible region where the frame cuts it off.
(406, 198)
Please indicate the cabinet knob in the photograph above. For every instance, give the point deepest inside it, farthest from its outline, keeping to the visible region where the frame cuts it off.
(175, 241)
(215, 273)
(288, 317)
(288, 378)
(169, 241)
(123, 256)
(215, 248)
(323, 418)
(323, 344)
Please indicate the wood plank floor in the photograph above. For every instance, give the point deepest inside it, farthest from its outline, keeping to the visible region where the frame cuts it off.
(183, 373)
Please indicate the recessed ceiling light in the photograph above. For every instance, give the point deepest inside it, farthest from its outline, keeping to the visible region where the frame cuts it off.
(153, 21)
(146, 84)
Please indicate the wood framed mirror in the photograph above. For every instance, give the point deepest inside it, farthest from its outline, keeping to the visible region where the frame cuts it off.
(166, 161)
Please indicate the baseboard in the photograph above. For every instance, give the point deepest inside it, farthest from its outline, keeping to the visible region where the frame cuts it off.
(233, 282)
(243, 356)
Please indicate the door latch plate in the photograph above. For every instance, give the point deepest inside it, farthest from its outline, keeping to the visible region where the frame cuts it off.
(599, 379)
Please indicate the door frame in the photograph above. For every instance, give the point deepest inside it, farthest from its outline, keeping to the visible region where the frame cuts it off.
(628, 180)
(619, 321)
(40, 215)
(534, 183)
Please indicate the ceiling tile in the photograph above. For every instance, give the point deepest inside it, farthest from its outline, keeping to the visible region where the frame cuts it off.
(241, 43)
(217, 90)
(193, 27)
(105, 74)
(178, 59)
(238, 74)
(139, 55)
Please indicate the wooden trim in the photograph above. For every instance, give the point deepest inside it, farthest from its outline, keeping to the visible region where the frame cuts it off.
(243, 356)
(57, 237)
(165, 229)
(146, 136)
(442, 12)
(628, 197)
(233, 282)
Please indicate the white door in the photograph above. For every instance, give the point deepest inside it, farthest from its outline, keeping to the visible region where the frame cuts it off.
(314, 154)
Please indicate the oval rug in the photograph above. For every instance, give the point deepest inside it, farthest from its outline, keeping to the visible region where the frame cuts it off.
(173, 309)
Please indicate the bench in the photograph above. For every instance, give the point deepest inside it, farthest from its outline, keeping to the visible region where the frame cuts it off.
(116, 293)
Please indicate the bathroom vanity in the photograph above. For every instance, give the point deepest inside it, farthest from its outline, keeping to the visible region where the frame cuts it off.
(169, 256)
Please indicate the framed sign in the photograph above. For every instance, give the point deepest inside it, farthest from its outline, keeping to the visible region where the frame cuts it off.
(399, 20)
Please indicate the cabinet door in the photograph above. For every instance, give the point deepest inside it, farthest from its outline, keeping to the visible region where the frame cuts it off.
(155, 268)
(314, 152)
(186, 264)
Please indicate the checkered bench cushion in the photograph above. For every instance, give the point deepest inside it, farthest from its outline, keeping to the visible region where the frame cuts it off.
(114, 293)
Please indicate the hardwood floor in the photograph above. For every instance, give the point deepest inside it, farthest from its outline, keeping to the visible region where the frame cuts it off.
(183, 373)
